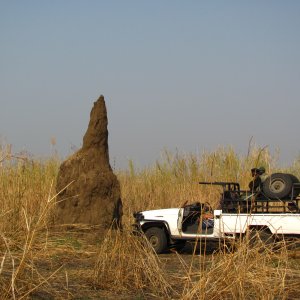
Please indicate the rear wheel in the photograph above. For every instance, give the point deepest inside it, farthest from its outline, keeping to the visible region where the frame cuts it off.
(157, 238)
(278, 186)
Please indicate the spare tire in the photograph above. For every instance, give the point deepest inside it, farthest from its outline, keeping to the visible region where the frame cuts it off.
(278, 186)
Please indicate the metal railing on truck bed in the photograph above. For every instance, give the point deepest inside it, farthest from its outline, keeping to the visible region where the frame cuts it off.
(235, 200)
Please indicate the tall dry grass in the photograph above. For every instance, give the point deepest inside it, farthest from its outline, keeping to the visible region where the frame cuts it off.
(174, 179)
(25, 186)
(127, 263)
(27, 197)
(257, 271)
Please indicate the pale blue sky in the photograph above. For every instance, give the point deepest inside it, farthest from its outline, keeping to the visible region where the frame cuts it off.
(186, 75)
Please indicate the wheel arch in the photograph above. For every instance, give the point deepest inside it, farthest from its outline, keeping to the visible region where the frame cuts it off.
(260, 228)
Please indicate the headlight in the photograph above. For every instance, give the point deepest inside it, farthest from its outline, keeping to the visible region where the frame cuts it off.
(138, 216)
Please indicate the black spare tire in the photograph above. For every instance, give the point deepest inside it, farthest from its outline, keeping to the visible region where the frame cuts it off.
(278, 186)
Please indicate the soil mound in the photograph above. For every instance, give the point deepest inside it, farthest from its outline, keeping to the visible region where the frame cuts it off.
(91, 192)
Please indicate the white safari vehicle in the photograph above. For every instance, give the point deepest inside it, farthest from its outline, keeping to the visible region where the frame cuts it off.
(272, 211)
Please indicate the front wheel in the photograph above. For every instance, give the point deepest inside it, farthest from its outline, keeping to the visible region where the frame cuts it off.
(157, 239)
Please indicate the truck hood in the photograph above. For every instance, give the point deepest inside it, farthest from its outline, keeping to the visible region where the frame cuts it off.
(160, 213)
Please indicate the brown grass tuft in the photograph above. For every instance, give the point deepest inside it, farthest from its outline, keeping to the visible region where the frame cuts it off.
(251, 271)
(127, 262)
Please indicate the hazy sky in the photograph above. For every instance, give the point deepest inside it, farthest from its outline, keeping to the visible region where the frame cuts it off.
(186, 75)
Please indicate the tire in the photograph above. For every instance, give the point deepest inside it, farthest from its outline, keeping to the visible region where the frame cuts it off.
(294, 178)
(278, 186)
(157, 239)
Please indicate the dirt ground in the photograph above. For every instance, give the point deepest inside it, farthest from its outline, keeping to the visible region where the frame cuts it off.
(66, 268)
(70, 259)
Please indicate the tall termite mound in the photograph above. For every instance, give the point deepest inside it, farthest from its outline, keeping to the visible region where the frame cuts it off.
(89, 191)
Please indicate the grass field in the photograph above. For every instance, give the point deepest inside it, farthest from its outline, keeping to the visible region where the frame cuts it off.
(41, 261)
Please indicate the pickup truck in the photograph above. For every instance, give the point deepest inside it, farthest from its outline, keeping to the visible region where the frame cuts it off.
(240, 212)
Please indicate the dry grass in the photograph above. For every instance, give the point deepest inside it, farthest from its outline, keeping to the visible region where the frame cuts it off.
(26, 199)
(174, 179)
(249, 272)
(128, 263)
(37, 260)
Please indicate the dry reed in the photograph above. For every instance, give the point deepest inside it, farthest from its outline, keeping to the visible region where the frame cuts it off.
(128, 263)
(125, 261)
(174, 179)
(26, 201)
(249, 272)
